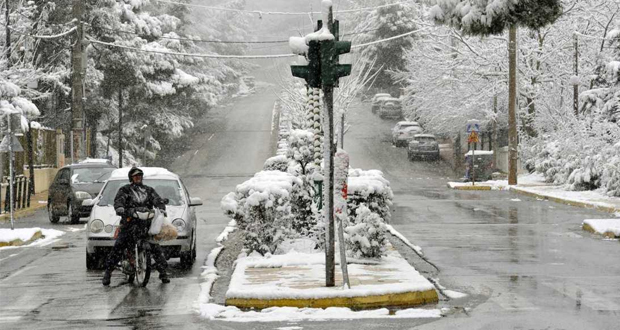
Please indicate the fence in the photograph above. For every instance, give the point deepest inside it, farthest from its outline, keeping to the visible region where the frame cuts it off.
(21, 191)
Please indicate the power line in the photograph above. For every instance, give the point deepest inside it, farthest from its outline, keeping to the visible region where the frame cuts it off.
(388, 39)
(245, 57)
(218, 41)
(219, 56)
(261, 13)
(56, 36)
(196, 40)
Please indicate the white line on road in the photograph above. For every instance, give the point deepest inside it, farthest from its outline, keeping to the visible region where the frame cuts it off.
(17, 273)
(212, 135)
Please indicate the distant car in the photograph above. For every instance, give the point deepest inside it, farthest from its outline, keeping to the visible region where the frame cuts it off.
(391, 108)
(103, 221)
(404, 132)
(74, 184)
(423, 146)
(376, 101)
(401, 126)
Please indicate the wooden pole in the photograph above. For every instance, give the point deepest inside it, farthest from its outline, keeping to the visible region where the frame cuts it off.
(513, 138)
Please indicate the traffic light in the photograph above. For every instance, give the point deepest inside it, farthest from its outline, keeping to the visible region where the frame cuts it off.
(311, 72)
(331, 70)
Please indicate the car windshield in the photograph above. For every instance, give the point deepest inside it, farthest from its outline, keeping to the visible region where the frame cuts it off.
(165, 188)
(425, 139)
(91, 174)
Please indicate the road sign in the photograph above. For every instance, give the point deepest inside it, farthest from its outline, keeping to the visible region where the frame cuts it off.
(473, 126)
(4, 146)
(473, 137)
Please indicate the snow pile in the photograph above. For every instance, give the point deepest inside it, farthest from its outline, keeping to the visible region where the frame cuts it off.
(292, 314)
(24, 234)
(262, 207)
(606, 227)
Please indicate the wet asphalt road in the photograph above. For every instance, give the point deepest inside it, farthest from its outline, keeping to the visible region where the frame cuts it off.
(524, 263)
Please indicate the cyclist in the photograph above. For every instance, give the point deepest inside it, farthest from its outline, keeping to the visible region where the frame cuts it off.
(135, 195)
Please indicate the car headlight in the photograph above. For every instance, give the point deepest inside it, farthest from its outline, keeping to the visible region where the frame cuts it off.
(82, 195)
(180, 224)
(108, 228)
(96, 226)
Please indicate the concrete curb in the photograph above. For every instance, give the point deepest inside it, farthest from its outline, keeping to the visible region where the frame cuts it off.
(19, 242)
(475, 188)
(586, 205)
(406, 299)
(589, 228)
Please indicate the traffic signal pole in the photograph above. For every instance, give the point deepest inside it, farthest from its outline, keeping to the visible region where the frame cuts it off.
(323, 71)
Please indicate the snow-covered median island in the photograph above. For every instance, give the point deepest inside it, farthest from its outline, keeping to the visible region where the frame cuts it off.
(606, 227)
(27, 237)
(297, 279)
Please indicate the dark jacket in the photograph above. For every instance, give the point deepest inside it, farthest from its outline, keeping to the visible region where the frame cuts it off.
(132, 196)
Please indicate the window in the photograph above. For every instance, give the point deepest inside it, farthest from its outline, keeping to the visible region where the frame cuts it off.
(165, 189)
(91, 174)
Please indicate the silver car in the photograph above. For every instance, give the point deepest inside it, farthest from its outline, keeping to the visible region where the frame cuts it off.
(404, 132)
(103, 221)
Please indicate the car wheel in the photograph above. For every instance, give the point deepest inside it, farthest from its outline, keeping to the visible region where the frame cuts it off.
(92, 261)
(74, 218)
(50, 213)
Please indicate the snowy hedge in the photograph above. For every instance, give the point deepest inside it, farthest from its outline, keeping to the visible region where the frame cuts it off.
(366, 234)
(262, 208)
(372, 189)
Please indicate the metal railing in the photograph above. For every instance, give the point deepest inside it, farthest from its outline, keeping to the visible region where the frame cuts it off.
(22, 194)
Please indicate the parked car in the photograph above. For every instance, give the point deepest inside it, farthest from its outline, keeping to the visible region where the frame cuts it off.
(390, 108)
(398, 129)
(423, 146)
(376, 101)
(406, 134)
(74, 184)
(103, 221)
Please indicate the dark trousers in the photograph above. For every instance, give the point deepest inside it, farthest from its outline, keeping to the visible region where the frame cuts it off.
(126, 240)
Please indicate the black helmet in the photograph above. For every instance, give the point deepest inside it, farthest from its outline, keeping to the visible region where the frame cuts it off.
(133, 172)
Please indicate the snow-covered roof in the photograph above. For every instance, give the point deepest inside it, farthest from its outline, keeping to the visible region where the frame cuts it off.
(408, 123)
(149, 173)
(424, 136)
(479, 153)
(95, 161)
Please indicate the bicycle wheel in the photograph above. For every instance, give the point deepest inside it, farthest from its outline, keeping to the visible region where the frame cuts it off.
(143, 266)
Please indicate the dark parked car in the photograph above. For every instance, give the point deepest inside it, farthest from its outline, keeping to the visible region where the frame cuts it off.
(72, 185)
(423, 146)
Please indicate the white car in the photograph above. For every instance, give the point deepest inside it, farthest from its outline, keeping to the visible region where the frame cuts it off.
(377, 99)
(404, 131)
(103, 221)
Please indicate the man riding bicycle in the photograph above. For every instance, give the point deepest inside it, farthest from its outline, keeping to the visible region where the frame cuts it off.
(130, 198)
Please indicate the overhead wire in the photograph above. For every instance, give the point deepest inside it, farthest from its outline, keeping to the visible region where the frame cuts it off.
(261, 13)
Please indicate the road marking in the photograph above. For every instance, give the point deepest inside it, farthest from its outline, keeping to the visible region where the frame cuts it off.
(212, 135)
(18, 272)
(195, 153)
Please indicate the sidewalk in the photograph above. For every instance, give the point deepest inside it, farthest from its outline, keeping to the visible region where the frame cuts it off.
(298, 280)
(37, 202)
(533, 185)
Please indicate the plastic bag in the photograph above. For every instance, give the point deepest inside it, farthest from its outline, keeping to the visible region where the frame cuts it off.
(157, 223)
(168, 233)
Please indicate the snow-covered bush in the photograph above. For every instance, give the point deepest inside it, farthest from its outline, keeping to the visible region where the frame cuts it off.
(262, 208)
(277, 163)
(300, 149)
(373, 190)
(365, 236)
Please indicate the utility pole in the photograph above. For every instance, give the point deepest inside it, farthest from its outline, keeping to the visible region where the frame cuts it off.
(120, 127)
(513, 142)
(576, 81)
(8, 33)
(77, 80)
